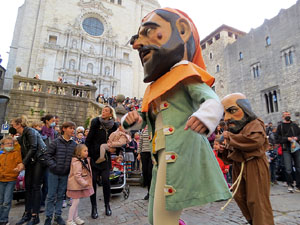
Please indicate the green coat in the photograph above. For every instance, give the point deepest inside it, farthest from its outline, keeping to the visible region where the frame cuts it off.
(193, 175)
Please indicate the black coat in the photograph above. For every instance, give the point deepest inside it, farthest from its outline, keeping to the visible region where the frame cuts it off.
(29, 144)
(59, 156)
(96, 137)
(284, 131)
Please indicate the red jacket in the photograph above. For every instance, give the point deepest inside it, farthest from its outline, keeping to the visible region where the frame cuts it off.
(221, 163)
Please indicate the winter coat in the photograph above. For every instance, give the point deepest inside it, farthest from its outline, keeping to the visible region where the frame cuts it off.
(80, 176)
(9, 161)
(118, 139)
(97, 136)
(221, 163)
(59, 156)
(282, 135)
(201, 181)
(29, 144)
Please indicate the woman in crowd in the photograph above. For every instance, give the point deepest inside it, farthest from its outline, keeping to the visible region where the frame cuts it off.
(33, 170)
(101, 128)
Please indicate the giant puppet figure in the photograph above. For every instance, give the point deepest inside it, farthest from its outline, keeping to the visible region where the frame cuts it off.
(245, 146)
(181, 110)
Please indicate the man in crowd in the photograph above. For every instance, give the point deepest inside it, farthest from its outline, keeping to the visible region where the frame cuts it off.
(287, 132)
(245, 146)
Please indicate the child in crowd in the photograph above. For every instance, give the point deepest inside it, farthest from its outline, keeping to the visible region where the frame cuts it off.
(59, 156)
(9, 160)
(79, 182)
(225, 168)
(79, 139)
(116, 139)
(272, 156)
(117, 165)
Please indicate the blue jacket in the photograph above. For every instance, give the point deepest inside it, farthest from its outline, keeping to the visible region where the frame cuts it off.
(59, 156)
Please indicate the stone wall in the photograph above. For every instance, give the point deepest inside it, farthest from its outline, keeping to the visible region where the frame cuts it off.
(267, 49)
(36, 98)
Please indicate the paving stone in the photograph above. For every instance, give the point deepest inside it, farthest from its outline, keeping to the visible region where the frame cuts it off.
(133, 211)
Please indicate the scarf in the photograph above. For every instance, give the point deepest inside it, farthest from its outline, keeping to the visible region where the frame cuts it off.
(49, 132)
(107, 124)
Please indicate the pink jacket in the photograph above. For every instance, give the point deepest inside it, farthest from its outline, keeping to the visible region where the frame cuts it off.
(80, 176)
(118, 139)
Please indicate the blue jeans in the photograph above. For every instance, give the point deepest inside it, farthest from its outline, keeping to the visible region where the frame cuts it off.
(288, 157)
(57, 186)
(6, 196)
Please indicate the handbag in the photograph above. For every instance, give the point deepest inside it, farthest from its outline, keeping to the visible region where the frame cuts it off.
(40, 154)
(295, 146)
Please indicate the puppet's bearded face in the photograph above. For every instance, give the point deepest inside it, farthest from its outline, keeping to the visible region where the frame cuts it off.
(234, 117)
(160, 46)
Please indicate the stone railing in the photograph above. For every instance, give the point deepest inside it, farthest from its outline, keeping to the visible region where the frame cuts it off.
(55, 88)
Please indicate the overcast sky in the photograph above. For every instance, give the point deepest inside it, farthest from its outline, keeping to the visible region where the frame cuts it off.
(207, 15)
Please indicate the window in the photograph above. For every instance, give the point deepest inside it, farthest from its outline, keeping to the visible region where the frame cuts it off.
(217, 37)
(291, 57)
(210, 41)
(203, 46)
(229, 34)
(268, 41)
(107, 71)
(74, 44)
(72, 64)
(288, 56)
(93, 26)
(256, 70)
(1, 72)
(241, 55)
(271, 101)
(108, 51)
(210, 55)
(90, 68)
(218, 68)
(112, 1)
(52, 39)
(120, 2)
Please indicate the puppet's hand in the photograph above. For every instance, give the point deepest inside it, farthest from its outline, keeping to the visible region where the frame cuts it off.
(196, 125)
(133, 117)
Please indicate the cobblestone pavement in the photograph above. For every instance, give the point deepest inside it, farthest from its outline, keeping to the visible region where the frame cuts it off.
(133, 211)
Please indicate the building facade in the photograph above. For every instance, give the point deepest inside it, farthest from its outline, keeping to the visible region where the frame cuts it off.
(82, 42)
(264, 64)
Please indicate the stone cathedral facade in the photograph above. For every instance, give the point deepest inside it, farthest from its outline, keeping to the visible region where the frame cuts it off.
(264, 64)
(84, 42)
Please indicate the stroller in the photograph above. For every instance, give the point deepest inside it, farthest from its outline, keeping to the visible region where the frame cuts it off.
(117, 177)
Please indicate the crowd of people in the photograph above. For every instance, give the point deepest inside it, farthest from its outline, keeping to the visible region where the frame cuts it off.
(70, 150)
(94, 152)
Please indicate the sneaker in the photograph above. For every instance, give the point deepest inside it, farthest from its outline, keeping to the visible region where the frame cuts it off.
(59, 220)
(64, 204)
(290, 189)
(78, 221)
(48, 221)
(296, 189)
(71, 222)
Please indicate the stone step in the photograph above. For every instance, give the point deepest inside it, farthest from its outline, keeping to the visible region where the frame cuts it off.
(134, 181)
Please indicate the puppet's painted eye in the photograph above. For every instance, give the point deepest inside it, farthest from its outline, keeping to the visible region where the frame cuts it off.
(147, 31)
(233, 111)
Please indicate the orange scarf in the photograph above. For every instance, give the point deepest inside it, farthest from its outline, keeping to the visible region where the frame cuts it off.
(170, 79)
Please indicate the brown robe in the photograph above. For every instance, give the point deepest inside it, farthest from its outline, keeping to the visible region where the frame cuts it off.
(253, 192)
